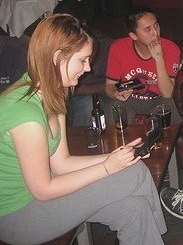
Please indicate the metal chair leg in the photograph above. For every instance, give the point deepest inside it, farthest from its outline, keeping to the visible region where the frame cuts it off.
(83, 235)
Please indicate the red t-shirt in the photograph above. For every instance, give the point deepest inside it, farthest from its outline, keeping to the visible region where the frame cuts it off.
(124, 63)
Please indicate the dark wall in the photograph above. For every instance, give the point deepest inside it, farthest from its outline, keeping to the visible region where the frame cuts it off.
(160, 4)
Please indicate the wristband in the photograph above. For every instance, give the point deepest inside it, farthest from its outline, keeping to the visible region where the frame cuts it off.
(106, 169)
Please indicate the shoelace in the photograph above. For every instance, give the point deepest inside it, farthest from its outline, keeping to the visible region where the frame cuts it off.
(178, 198)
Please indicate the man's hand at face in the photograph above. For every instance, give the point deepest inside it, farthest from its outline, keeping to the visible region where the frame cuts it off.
(155, 49)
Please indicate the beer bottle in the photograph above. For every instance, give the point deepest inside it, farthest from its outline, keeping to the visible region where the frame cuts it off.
(98, 117)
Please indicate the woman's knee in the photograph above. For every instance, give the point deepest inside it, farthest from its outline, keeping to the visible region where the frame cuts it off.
(140, 203)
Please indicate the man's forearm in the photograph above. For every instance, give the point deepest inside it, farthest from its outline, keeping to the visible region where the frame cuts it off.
(110, 90)
(165, 83)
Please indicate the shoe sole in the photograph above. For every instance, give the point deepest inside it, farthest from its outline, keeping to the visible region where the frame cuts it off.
(167, 209)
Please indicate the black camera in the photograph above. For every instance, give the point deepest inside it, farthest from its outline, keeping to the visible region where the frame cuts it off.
(134, 84)
(151, 138)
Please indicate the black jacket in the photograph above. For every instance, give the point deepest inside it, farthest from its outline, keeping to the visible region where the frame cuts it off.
(13, 59)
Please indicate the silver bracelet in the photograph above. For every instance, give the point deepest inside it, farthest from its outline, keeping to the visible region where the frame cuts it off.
(106, 169)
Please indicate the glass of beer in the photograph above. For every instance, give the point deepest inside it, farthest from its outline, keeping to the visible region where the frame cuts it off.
(153, 123)
(164, 111)
(120, 117)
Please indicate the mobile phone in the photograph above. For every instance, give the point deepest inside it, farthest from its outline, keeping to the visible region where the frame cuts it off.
(134, 84)
(142, 150)
(151, 138)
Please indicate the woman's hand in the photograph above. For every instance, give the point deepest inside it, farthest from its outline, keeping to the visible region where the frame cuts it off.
(122, 157)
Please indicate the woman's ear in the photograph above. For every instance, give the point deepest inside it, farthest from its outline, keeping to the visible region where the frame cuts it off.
(55, 56)
(133, 36)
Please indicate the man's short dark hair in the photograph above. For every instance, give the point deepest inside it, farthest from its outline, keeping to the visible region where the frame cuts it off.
(134, 15)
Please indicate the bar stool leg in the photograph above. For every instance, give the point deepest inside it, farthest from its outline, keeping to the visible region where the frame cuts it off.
(173, 171)
(83, 235)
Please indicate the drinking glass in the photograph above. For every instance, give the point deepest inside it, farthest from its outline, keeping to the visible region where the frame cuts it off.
(164, 111)
(92, 137)
(120, 117)
(153, 122)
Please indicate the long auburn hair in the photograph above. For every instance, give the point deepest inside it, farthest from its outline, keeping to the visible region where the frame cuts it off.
(57, 32)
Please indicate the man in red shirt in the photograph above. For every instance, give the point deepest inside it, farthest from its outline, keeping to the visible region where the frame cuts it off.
(148, 57)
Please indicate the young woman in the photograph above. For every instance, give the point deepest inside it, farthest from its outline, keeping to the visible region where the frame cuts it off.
(45, 192)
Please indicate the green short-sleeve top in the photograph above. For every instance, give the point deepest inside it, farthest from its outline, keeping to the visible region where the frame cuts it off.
(16, 109)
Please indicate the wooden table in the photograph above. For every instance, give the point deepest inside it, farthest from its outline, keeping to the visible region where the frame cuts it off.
(160, 160)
